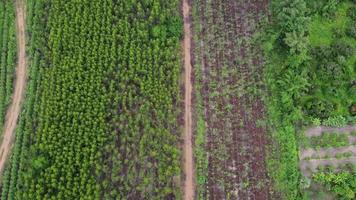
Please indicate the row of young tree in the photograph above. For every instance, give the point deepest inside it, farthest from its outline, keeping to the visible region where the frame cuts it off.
(100, 117)
(7, 55)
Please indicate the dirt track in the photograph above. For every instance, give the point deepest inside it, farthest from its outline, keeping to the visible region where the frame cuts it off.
(20, 83)
(187, 148)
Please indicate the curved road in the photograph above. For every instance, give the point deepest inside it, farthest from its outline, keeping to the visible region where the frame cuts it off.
(20, 84)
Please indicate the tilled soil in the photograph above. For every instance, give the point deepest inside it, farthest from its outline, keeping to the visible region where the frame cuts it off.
(232, 68)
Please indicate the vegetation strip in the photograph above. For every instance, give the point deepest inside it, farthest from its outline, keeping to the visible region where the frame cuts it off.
(7, 56)
(19, 88)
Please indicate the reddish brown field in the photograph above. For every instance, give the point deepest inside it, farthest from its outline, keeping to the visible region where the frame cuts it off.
(231, 68)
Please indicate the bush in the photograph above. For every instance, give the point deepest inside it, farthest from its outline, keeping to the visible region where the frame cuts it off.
(319, 108)
(316, 121)
(351, 12)
(353, 133)
(338, 121)
(342, 48)
(351, 120)
(342, 184)
(351, 30)
(338, 33)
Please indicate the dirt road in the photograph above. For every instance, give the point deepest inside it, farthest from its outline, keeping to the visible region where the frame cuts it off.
(20, 83)
(187, 148)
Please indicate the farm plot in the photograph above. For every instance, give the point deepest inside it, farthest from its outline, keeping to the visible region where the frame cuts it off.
(230, 136)
(327, 162)
(334, 147)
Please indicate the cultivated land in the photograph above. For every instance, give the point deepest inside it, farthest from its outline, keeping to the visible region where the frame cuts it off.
(229, 68)
(178, 99)
(314, 158)
(20, 84)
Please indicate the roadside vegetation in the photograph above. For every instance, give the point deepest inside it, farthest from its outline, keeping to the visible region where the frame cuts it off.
(7, 55)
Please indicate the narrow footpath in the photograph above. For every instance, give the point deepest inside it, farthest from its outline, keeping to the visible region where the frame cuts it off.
(187, 147)
(14, 109)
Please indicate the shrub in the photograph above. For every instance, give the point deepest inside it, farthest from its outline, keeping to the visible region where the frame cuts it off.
(319, 108)
(338, 121)
(353, 133)
(351, 30)
(316, 121)
(338, 33)
(342, 48)
(351, 12)
(342, 184)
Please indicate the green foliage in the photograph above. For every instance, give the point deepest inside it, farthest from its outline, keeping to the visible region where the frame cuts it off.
(351, 30)
(331, 72)
(7, 54)
(318, 108)
(328, 140)
(316, 121)
(315, 78)
(353, 133)
(337, 121)
(99, 119)
(324, 8)
(342, 48)
(351, 12)
(342, 184)
(287, 81)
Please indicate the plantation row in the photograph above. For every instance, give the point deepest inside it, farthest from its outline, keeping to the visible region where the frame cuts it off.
(100, 116)
(7, 55)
